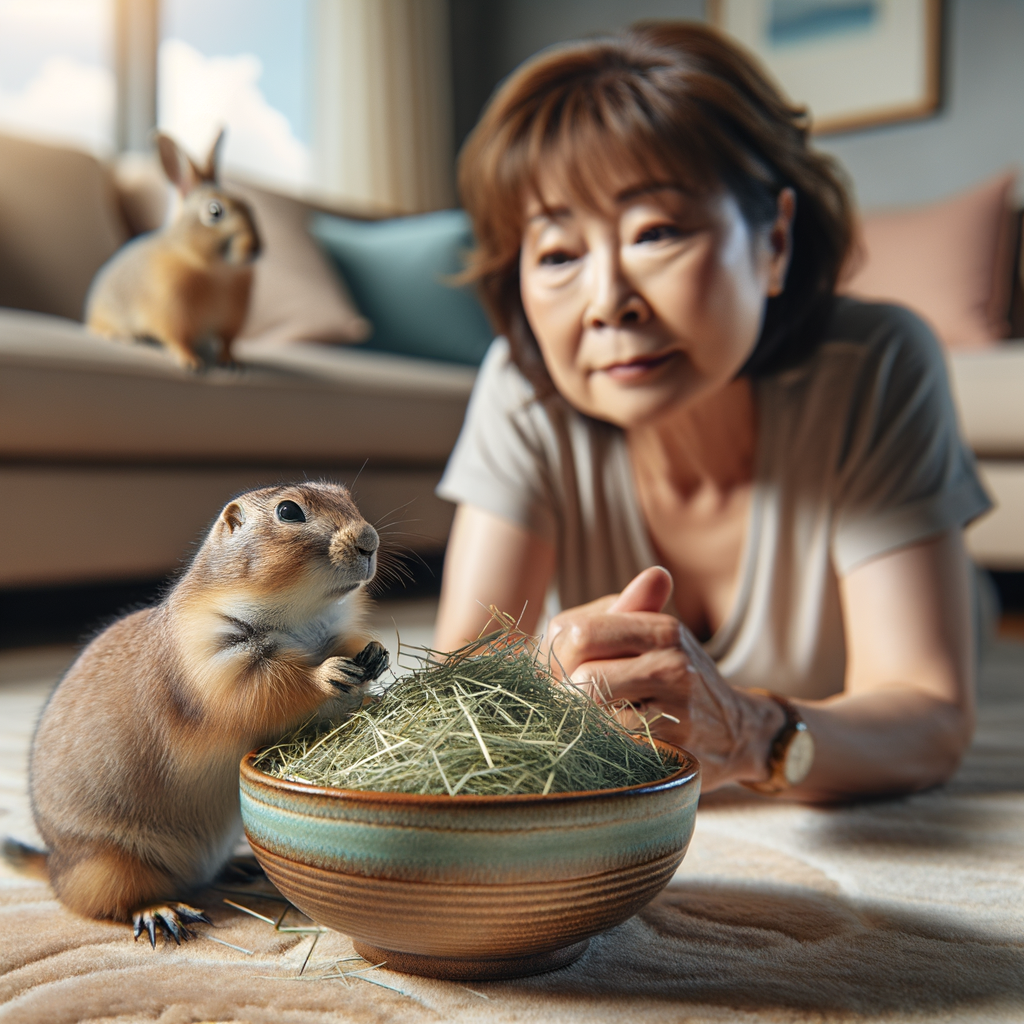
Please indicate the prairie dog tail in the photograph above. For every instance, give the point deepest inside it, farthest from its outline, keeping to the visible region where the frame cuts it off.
(26, 860)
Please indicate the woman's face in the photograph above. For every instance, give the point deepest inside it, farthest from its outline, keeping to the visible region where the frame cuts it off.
(655, 299)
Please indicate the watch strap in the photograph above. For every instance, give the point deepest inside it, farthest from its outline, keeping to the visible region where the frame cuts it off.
(790, 753)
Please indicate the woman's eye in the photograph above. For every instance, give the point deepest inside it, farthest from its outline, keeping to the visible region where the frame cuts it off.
(556, 258)
(289, 512)
(658, 233)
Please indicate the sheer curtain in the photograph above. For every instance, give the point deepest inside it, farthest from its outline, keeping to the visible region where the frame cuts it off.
(382, 100)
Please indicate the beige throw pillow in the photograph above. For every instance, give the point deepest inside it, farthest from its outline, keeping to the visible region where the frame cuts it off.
(296, 294)
(950, 262)
(59, 223)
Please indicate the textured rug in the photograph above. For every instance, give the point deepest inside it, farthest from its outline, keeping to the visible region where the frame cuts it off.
(899, 910)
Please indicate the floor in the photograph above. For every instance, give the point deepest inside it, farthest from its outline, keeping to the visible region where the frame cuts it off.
(904, 912)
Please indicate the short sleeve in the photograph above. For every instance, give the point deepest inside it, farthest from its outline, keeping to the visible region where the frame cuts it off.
(501, 461)
(904, 472)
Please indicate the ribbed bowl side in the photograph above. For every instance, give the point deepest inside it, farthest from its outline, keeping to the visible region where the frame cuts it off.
(477, 878)
(471, 921)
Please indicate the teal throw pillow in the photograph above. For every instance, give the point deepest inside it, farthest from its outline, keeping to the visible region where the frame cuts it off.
(397, 272)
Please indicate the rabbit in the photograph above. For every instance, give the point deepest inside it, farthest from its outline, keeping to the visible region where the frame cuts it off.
(187, 285)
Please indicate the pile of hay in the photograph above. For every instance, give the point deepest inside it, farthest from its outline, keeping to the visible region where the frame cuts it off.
(487, 720)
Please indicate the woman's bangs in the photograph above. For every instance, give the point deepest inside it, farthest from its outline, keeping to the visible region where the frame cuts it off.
(599, 142)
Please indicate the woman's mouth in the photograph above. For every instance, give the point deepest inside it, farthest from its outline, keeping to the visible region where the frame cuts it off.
(637, 368)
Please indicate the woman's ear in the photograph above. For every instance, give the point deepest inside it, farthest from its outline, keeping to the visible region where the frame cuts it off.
(780, 241)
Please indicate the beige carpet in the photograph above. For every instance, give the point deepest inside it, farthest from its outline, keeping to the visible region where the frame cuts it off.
(905, 910)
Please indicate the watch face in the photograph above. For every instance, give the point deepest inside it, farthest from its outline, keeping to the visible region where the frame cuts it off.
(799, 756)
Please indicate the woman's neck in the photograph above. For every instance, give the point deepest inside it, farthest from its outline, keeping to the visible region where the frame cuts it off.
(708, 442)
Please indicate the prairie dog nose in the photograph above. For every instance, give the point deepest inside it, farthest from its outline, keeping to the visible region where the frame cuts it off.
(359, 540)
(366, 541)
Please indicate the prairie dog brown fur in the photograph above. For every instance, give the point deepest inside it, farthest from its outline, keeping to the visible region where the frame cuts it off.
(134, 764)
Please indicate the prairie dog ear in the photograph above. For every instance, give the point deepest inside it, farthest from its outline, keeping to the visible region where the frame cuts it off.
(177, 164)
(233, 516)
(208, 172)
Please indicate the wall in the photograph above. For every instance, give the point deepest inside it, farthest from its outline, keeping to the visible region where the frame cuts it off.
(978, 132)
(491, 37)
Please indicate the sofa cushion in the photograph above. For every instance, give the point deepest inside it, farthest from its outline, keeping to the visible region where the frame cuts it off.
(67, 395)
(397, 270)
(143, 191)
(296, 295)
(59, 223)
(950, 261)
(988, 386)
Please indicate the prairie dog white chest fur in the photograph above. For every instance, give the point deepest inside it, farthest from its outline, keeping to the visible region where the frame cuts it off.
(134, 765)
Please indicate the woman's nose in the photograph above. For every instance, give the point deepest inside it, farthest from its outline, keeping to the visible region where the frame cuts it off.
(614, 301)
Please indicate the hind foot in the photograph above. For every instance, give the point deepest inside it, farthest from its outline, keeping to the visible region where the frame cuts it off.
(172, 919)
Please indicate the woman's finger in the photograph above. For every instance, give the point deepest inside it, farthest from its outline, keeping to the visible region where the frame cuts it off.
(664, 677)
(586, 638)
(648, 591)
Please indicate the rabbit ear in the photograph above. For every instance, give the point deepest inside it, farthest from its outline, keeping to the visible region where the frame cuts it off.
(209, 171)
(177, 164)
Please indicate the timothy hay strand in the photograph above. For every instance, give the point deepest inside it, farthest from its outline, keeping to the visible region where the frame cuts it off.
(487, 720)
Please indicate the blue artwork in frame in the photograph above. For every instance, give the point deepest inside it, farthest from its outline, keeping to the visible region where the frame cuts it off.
(853, 63)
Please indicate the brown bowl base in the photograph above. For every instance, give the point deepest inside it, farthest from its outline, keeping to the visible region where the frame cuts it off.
(464, 969)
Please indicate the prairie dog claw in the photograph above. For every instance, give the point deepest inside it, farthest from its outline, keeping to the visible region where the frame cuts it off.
(372, 659)
(347, 674)
(172, 919)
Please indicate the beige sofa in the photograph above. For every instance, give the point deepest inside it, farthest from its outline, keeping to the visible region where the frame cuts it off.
(113, 460)
(989, 389)
(116, 459)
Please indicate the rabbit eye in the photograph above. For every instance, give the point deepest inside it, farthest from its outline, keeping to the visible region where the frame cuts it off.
(214, 211)
(289, 512)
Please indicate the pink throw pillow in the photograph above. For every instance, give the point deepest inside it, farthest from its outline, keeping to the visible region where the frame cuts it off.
(950, 262)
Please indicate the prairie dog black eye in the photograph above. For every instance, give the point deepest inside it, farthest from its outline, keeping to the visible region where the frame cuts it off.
(212, 212)
(289, 512)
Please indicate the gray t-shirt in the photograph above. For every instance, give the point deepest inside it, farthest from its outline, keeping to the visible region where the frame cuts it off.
(858, 454)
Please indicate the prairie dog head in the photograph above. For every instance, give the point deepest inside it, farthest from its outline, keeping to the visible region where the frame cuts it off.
(304, 543)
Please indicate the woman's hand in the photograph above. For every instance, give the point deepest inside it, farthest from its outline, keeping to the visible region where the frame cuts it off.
(626, 649)
(902, 723)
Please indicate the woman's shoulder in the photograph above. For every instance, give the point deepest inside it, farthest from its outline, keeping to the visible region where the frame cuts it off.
(869, 340)
(877, 327)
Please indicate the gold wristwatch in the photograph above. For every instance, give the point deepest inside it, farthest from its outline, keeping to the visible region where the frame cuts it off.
(792, 751)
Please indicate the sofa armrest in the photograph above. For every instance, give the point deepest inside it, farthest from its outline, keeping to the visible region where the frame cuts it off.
(988, 387)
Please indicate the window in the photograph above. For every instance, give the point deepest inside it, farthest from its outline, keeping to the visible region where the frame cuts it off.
(243, 65)
(56, 73)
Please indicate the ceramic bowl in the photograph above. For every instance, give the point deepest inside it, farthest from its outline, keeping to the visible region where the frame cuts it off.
(470, 887)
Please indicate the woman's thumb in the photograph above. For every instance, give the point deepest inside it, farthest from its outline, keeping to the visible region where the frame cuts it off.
(646, 592)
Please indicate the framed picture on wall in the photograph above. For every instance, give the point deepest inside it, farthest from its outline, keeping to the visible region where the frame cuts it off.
(853, 63)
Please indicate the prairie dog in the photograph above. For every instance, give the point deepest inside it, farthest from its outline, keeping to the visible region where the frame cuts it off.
(134, 763)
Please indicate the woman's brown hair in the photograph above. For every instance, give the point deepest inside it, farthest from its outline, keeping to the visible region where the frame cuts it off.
(680, 101)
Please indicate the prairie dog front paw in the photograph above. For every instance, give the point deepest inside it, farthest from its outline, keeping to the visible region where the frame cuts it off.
(373, 659)
(346, 675)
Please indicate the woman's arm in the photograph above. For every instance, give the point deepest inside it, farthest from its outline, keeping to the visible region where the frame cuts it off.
(490, 561)
(906, 715)
(902, 723)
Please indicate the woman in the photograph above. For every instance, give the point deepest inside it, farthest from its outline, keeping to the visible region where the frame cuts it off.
(688, 435)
